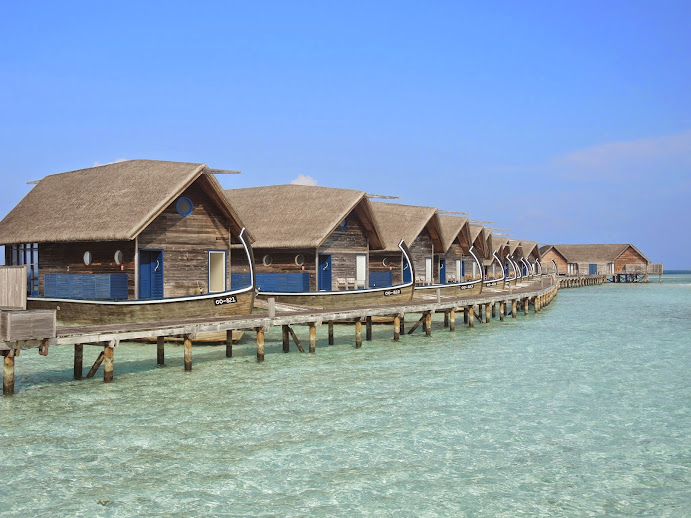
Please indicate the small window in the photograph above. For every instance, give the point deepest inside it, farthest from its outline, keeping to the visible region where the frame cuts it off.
(299, 259)
(184, 206)
(118, 257)
(266, 260)
(386, 261)
(87, 258)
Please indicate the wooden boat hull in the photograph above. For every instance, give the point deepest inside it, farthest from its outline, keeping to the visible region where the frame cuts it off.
(463, 289)
(186, 308)
(343, 299)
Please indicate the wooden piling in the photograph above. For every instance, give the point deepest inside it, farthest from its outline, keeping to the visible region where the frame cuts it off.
(396, 328)
(494, 310)
(526, 302)
(260, 344)
(286, 338)
(229, 343)
(471, 316)
(465, 314)
(446, 319)
(78, 361)
(452, 319)
(313, 337)
(502, 311)
(295, 339)
(487, 313)
(417, 324)
(428, 323)
(358, 333)
(402, 324)
(107, 364)
(368, 329)
(513, 308)
(188, 353)
(8, 374)
(331, 332)
(160, 352)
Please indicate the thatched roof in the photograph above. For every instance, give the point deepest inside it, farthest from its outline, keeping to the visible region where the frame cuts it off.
(106, 203)
(478, 238)
(300, 216)
(497, 242)
(452, 229)
(406, 222)
(529, 247)
(592, 253)
(513, 245)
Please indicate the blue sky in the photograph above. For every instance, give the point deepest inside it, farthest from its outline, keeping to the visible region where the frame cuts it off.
(565, 122)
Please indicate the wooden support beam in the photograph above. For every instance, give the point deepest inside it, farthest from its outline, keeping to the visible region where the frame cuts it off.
(417, 324)
(471, 316)
(494, 310)
(286, 338)
(358, 334)
(465, 315)
(160, 351)
(368, 328)
(107, 364)
(8, 374)
(402, 324)
(229, 343)
(78, 361)
(488, 311)
(313, 337)
(188, 353)
(396, 328)
(514, 305)
(331, 332)
(96, 365)
(502, 311)
(428, 323)
(526, 302)
(260, 344)
(446, 319)
(452, 319)
(295, 339)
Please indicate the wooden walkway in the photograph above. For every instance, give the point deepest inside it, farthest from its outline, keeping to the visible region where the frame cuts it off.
(538, 292)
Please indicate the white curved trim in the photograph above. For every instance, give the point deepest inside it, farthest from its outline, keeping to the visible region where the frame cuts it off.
(501, 267)
(165, 300)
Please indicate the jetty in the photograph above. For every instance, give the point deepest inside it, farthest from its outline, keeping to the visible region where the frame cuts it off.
(35, 329)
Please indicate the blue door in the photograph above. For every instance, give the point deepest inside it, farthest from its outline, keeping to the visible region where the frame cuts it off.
(406, 271)
(592, 269)
(324, 272)
(151, 274)
(442, 271)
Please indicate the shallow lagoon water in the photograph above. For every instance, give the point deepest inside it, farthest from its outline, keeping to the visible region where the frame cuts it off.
(580, 410)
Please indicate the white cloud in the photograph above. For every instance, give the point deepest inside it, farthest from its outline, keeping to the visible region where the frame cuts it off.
(96, 164)
(639, 159)
(304, 180)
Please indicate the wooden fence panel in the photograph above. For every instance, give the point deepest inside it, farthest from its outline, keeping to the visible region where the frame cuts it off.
(13, 287)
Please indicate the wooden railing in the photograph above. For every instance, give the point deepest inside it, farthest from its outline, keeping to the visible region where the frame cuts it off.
(655, 268)
(13, 287)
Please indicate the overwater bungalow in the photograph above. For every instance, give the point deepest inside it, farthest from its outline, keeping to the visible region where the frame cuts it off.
(132, 241)
(479, 238)
(313, 245)
(531, 254)
(420, 228)
(596, 259)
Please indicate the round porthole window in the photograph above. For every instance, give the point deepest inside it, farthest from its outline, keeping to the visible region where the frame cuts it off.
(266, 260)
(386, 261)
(118, 257)
(184, 206)
(299, 259)
(87, 258)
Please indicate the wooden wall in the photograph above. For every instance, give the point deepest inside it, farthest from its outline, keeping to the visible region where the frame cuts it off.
(561, 262)
(69, 258)
(420, 249)
(376, 264)
(630, 256)
(343, 245)
(186, 241)
(455, 252)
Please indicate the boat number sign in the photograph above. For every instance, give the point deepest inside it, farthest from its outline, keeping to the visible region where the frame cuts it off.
(491, 284)
(231, 299)
(388, 293)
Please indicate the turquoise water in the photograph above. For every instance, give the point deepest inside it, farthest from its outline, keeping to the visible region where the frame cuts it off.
(580, 410)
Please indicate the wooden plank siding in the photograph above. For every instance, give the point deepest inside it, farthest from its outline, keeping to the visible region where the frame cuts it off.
(344, 244)
(420, 249)
(13, 287)
(395, 260)
(186, 242)
(562, 264)
(454, 252)
(629, 257)
(283, 261)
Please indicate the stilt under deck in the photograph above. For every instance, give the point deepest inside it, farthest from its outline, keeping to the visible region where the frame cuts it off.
(538, 293)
